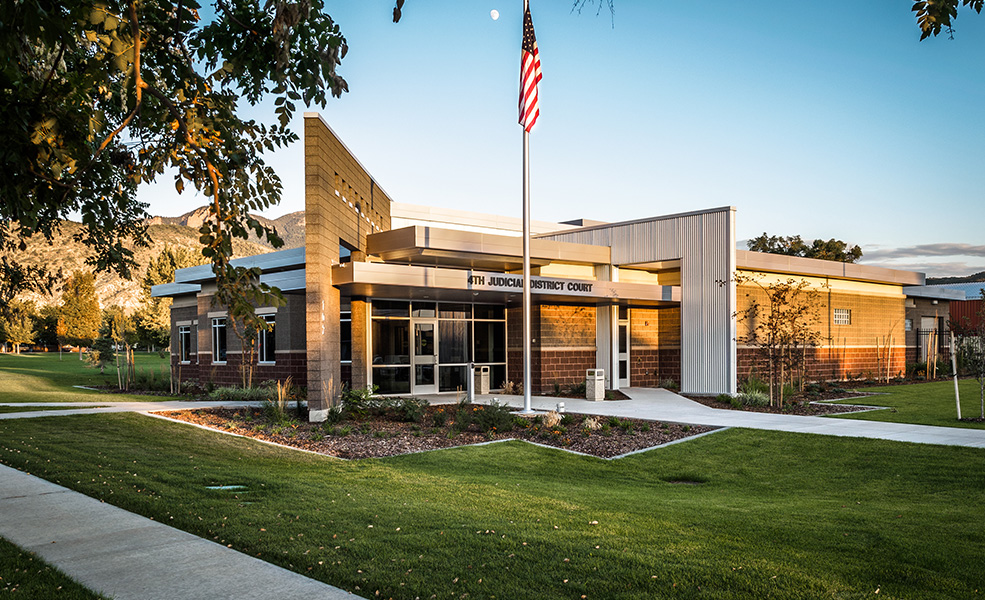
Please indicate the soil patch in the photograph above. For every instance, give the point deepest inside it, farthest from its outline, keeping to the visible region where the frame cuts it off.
(439, 427)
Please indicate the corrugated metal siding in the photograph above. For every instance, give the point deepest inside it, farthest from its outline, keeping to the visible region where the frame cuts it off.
(705, 244)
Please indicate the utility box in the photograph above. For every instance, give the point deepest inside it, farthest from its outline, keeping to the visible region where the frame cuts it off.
(482, 380)
(595, 384)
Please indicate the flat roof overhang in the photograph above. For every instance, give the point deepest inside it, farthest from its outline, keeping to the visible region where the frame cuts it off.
(813, 267)
(379, 280)
(420, 244)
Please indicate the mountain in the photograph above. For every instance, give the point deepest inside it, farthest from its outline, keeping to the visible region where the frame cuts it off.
(290, 227)
(974, 278)
(68, 255)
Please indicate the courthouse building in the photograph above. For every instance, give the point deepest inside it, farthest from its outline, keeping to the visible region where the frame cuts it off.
(406, 298)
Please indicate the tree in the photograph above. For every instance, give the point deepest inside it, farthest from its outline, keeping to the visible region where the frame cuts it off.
(794, 246)
(120, 330)
(80, 310)
(17, 326)
(933, 16)
(101, 96)
(783, 328)
(153, 319)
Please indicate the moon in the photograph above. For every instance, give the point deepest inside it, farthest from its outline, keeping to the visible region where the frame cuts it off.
(494, 14)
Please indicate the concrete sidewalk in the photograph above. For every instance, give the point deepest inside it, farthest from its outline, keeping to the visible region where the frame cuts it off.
(110, 407)
(125, 556)
(662, 405)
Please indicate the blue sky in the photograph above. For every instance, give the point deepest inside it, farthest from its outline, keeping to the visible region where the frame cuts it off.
(824, 119)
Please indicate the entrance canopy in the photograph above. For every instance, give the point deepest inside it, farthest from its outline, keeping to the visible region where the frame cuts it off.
(381, 280)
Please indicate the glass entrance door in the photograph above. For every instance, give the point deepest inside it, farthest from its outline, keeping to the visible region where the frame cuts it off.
(425, 357)
(623, 347)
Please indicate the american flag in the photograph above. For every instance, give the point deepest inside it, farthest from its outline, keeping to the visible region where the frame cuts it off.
(530, 75)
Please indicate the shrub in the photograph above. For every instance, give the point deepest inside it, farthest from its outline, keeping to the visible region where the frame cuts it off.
(410, 410)
(578, 390)
(754, 384)
(439, 417)
(724, 398)
(754, 398)
(567, 419)
(512, 389)
(236, 394)
(557, 389)
(789, 391)
(358, 404)
(494, 417)
(668, 384)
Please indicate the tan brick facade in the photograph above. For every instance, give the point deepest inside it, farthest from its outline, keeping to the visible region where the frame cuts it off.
(871, 345)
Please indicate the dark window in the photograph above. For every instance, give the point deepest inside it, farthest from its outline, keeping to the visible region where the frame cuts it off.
(219, 340)
(184, 343)
(268, 344)
(389, 308)
(345, 336)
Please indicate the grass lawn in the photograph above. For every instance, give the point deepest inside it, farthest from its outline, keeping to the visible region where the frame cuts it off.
(23, 575)
(922, 403)
(45, 378)
(737, 514)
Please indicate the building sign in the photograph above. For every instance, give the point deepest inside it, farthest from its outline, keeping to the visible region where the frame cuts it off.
(499, 282)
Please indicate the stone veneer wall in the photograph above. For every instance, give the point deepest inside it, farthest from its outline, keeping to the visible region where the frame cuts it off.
(343, 205)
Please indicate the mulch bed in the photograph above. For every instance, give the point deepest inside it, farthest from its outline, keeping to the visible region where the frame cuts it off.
(798, 406)
(379, 437)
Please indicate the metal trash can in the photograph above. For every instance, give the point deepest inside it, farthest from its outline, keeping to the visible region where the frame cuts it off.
(482, 380)
(595, 384)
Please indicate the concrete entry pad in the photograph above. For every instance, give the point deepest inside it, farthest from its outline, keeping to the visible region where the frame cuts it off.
(123, 555)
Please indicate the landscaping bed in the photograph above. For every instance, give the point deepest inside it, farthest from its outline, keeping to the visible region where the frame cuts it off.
(799, 406)
(391, 431)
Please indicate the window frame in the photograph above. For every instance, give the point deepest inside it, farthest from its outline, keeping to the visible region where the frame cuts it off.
(219, 323)
(266, 337)
(184, 345)
(842, 316)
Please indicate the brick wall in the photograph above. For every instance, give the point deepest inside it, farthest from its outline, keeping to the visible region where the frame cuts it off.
(834, 364)
(562, 345)
(654, 352)
(288, 364)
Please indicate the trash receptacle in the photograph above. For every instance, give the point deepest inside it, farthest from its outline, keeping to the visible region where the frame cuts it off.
(595, 384)
(482, 380)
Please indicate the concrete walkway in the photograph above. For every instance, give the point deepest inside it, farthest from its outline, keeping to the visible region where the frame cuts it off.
(661, 405)
(124, 556)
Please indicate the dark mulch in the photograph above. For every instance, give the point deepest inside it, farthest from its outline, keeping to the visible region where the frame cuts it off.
(378, 437)
(797, 406)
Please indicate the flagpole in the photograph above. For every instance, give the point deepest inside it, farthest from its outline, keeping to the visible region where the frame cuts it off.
(526, 271)
(526, 263)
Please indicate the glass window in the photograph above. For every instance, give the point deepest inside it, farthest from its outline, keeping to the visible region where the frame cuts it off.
(391, 343)
(490, 342)
(908, 325)
(266, 339)
(453, 341)
(391, 308)
(489, 311)
(185, 343)
(447, 310)
(392, 380)
(451, 379)
(843, 316)
(345, 336)
(423, 309)
(219, 339)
